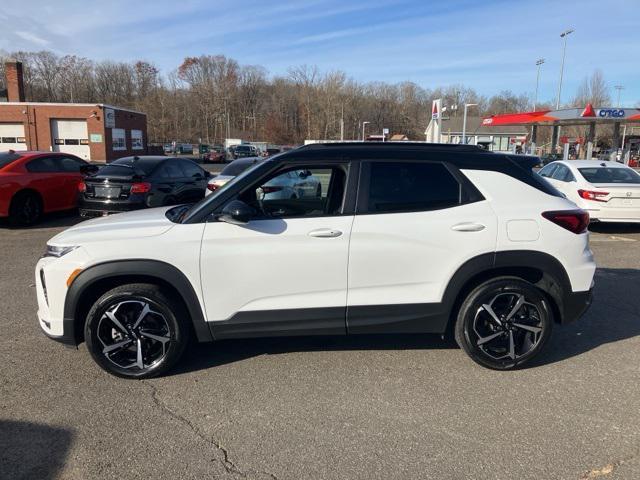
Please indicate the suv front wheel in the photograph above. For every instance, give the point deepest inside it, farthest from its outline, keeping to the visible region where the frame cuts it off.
(504, 323)
(136, 331)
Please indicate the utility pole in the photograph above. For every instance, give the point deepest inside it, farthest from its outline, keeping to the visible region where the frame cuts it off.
(364, 124)
(619, 88)
(464, 121)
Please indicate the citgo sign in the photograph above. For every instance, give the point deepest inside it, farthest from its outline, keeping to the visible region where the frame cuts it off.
(611, 113)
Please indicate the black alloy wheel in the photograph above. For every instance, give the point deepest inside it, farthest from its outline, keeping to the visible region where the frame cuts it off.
(136, 331)
(504, 323)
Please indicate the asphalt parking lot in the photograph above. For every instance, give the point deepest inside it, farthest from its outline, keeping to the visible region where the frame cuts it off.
(327, 408)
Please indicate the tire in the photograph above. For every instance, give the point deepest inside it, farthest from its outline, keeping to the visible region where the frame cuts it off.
(161, 334)
(513, 335)
(168, 201)
(25, 209)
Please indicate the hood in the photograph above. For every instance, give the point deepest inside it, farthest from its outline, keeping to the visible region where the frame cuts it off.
(138, 224)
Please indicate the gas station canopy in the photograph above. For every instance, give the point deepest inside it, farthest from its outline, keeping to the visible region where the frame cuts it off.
(566, 116)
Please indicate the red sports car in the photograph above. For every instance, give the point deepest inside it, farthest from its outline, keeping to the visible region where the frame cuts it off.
(33, 183)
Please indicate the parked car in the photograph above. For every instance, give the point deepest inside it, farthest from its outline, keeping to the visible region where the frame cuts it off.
(609, 191)
(232, 170)
(131, 183)
(215, 154)
(409, 238)
(33, 183)
(242, 151)
(273, 151)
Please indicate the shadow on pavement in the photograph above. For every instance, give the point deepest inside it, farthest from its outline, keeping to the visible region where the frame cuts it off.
(613, 228)
(49, 220)
(613, 316)
(31, 450)
(205, 356)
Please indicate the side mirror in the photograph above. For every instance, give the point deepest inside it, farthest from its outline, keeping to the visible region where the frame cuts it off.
(236, 212)
(89, 169)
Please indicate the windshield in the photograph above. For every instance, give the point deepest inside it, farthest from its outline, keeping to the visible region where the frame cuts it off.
(196, 206)
(609, 175)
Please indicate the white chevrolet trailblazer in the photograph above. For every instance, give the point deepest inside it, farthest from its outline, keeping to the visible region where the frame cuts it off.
(403, 238)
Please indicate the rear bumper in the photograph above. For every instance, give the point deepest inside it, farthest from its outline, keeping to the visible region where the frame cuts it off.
(575, 305)
(99, 209)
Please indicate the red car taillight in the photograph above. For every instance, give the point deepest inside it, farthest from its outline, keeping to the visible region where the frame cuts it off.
(575, 221)
(82, 187)
(212, 186)
(140, 187)
(591, 195)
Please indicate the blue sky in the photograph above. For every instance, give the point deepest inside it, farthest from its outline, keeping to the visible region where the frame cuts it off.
(488, 45)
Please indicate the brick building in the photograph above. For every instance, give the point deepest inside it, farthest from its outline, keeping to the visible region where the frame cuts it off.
(91, 131)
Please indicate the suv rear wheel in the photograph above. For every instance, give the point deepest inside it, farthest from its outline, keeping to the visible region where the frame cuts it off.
(136, 331)
(504, 323)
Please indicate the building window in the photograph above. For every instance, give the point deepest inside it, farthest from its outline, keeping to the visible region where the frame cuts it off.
(119, 140)
(136, 140)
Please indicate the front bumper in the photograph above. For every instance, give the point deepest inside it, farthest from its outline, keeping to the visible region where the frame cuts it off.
(51, 276)
(575, 305)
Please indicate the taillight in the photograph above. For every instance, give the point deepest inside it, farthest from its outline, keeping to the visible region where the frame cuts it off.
(575, 221)
(267, 189)
(140, 187)
(82, 187)
(591, 195)
(212, 186)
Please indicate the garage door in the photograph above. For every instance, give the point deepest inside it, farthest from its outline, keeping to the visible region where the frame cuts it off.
(70, 136)
(12, 137)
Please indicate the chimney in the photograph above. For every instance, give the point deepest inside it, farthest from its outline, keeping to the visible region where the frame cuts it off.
(15, 81)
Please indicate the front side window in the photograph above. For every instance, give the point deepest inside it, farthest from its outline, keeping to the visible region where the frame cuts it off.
(118, 138)
(411, 186)
(299, 192)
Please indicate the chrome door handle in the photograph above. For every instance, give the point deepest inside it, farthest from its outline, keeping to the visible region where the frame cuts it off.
(325, 233)
(468, 227)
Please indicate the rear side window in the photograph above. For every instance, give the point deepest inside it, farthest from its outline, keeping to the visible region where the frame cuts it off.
(609, 175)
(410, 187)
(43, 165)
(69, 164)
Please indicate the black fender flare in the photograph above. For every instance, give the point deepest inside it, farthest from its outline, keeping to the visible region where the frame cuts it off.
(551, 268)
(164, 272)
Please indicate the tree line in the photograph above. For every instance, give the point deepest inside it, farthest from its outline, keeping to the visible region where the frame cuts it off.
(212, 97)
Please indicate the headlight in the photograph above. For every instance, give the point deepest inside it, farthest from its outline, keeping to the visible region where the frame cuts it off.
(53, 251)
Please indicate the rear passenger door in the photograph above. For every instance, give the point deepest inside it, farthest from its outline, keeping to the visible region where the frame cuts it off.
(47, 177)
(416, 223)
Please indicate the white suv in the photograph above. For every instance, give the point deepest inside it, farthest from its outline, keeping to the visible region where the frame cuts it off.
(404, 238)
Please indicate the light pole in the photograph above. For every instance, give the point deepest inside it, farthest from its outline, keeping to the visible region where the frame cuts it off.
(556, 129)
(364, 124)
(539, 63)
(564, 36)
(464, 121)
(619, 88)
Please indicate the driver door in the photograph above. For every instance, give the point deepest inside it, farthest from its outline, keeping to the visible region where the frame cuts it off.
(285, 271)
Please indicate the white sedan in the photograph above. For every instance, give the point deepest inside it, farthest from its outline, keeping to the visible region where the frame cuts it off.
(609, 191)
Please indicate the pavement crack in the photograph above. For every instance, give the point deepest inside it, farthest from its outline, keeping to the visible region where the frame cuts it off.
(226, 461)
(609, 468)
